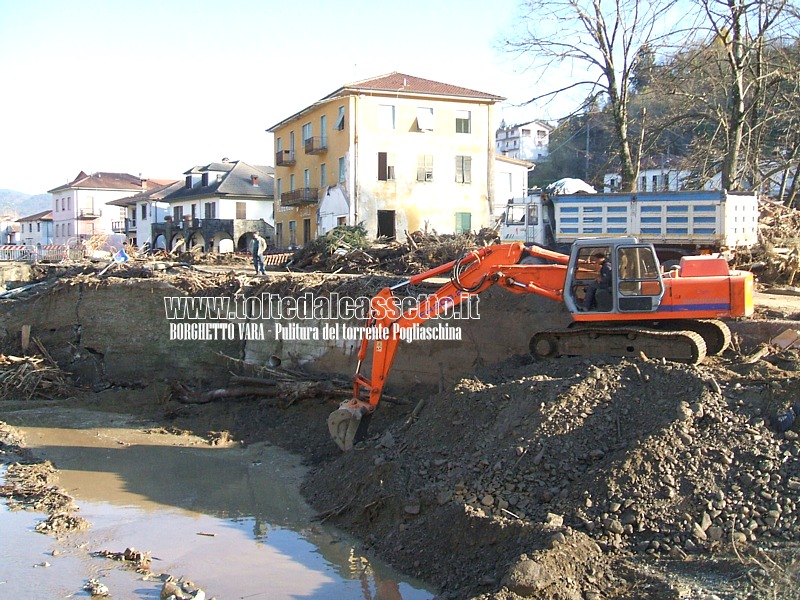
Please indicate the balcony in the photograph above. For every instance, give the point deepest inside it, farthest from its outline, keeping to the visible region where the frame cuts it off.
(89, 212)
(316, 145)
(123, 226)
(300, 196)
(284, 158)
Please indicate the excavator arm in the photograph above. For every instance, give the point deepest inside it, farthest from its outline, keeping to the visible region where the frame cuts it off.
(469, 275)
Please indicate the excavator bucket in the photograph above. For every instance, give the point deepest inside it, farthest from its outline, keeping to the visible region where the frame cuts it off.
(348, 425)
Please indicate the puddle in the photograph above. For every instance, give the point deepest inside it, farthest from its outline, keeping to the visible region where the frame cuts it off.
(229, 519)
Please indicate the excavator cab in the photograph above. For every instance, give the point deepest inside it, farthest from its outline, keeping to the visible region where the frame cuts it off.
(630, 281)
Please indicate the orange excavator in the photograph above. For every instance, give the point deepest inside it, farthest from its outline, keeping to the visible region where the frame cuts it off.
(637, 309)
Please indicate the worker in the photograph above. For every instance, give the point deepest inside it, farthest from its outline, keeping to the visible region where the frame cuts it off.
(258, 247)
(602, 280)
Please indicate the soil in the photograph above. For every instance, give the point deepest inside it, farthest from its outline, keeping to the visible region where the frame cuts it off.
(565, 478)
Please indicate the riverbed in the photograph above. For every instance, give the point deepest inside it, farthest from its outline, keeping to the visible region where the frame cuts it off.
(228, 517)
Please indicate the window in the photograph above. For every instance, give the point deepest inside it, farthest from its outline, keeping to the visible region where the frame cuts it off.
(291, 182)
(323, 175)
(341, 221)
(655, 183)
(323, 127)
(210, 209)
(205, 179)
(644, 183)
(385, 166)
(291, 143)
(425, 119)
(341, 170)
(278, 144)
(463, 222)
(386, 116)
(307, 133)
(278, 188)
(279, 234)
(306, 231)
(292, 233)
(463, 121)
(340, 119)
(463, 169)
(144, 212)
(38, 226)
(306, 178)
(425, 167)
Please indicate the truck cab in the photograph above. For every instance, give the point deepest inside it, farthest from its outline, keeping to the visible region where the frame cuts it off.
(525, 220)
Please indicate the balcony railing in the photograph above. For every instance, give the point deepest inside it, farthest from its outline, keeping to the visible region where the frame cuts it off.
(123, 226)
(316, 145)
(300, 196)
(89, 212)
(284, 158)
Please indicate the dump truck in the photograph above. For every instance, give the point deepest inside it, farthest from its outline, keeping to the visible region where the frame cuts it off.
(678, 224)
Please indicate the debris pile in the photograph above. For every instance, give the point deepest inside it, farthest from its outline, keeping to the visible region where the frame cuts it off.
(23, 377)
(643, 457)
(347, 250)
(776, 259)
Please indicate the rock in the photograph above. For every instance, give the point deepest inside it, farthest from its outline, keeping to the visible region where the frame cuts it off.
(487, 500)
(527, 577)
(554, 520)
(614, 526)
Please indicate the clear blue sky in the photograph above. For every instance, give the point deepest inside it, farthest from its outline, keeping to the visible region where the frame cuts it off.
(154, 87)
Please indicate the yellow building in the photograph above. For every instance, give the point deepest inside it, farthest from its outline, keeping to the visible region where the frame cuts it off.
(396, 153)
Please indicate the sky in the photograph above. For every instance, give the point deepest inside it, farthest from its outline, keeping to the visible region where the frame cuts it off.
(155, 87)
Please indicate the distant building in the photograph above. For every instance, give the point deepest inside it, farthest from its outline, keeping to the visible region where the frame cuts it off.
(81, 207)
(9, 230)
(216, 207)
(529, 141)
(660, 173)
(36, 229)
(396, 153)
(511, 181)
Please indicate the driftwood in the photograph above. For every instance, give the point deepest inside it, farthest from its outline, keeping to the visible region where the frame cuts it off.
(286, 393)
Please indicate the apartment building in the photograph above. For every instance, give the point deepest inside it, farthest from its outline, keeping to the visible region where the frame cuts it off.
(396, 153)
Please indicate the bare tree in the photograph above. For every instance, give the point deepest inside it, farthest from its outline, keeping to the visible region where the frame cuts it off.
(742, 28)
(603, 40)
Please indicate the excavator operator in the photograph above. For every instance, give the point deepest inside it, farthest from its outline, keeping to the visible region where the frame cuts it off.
(602, 279)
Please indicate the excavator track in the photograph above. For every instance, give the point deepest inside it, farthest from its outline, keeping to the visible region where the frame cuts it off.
(681, 346)
(717, 334)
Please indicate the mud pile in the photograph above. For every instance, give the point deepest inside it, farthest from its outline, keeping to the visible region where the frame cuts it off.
(593, 461)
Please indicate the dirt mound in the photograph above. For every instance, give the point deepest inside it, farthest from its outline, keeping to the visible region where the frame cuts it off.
(645, 458)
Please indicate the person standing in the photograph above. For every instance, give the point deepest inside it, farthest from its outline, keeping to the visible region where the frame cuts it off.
(258, 248)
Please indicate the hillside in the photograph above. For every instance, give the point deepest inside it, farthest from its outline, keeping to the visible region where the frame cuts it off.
(21, 204)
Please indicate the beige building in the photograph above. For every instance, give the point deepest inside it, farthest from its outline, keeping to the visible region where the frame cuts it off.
(396, 153)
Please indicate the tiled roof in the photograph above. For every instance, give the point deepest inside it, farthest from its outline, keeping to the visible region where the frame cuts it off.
(153, 192)
(399, 82)
(46, 215)
(104, 181)
(237, 180)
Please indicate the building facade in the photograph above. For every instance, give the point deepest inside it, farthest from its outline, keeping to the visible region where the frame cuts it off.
(215, 208)
(81, 209)
(36, 230)
(529, 141)
(395, 153)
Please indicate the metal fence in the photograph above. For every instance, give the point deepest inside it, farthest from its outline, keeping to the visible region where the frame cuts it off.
(34, 254)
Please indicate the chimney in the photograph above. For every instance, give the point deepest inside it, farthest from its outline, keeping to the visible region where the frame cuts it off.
(254, 180)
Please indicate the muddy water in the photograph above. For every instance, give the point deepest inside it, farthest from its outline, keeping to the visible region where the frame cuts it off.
(229, 519)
